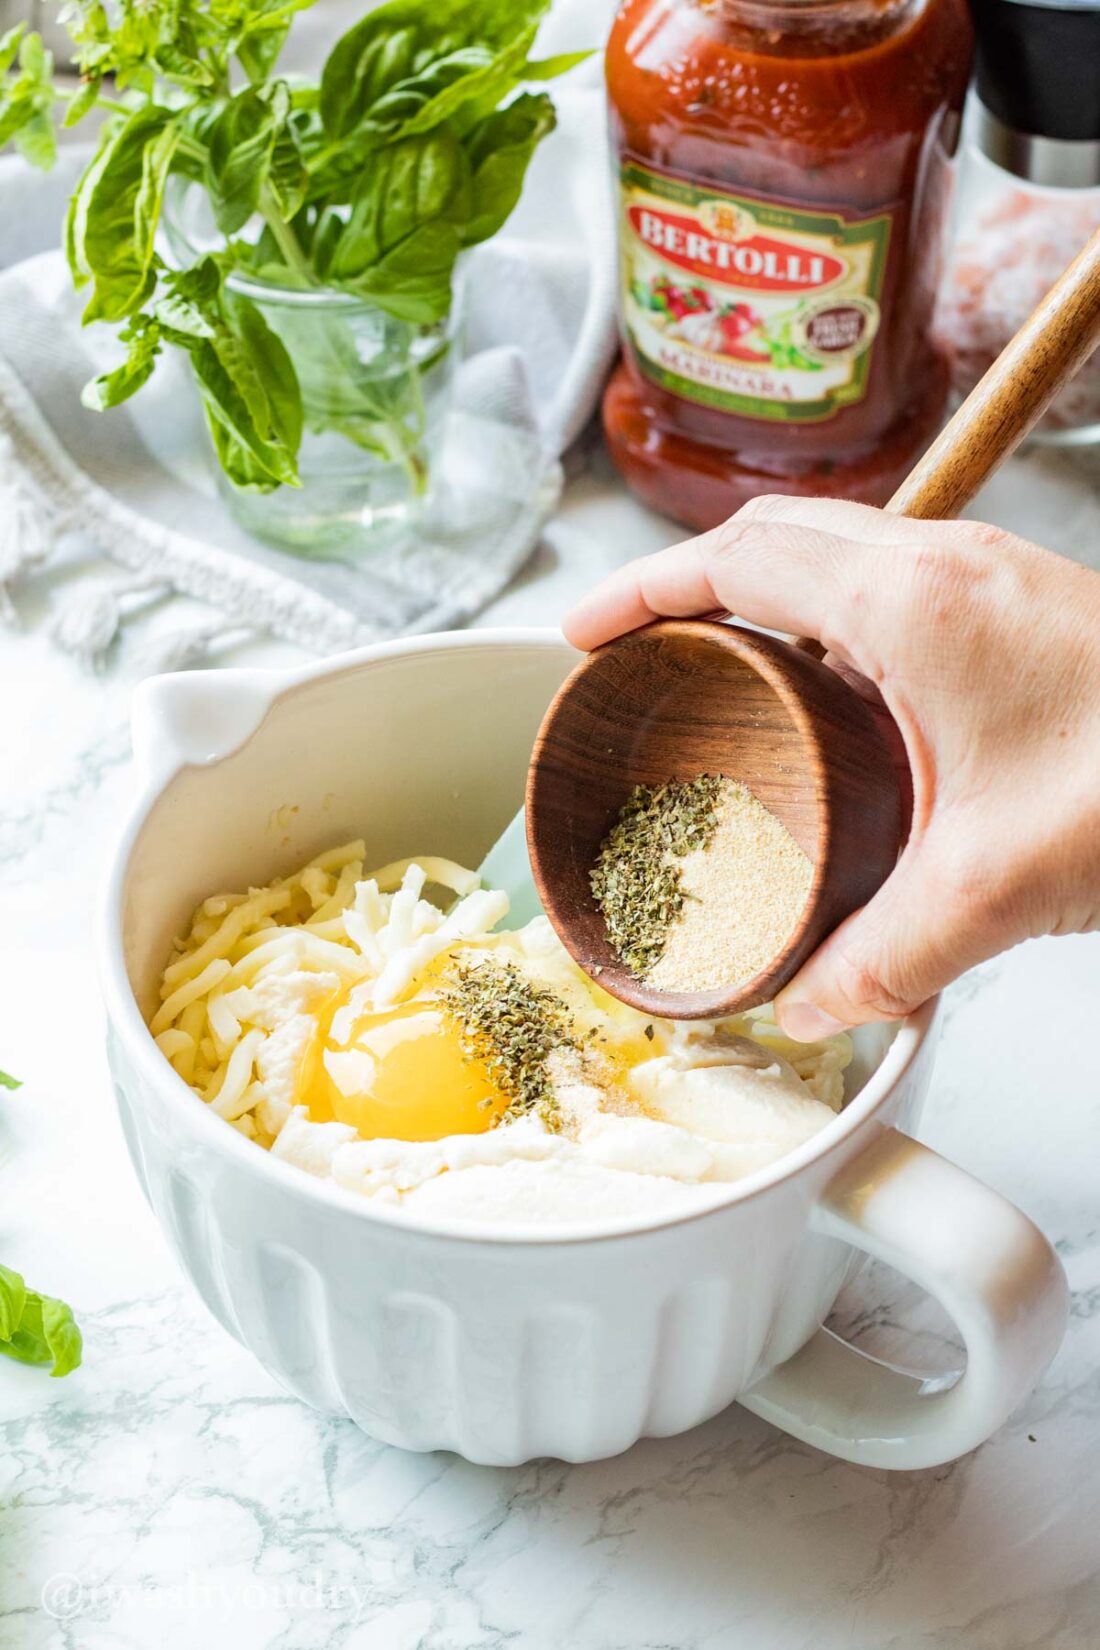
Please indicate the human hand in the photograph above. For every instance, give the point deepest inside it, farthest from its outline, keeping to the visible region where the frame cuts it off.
(985, 652)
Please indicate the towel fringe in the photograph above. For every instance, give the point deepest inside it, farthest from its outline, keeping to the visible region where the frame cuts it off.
(189, 645)
(28, 531)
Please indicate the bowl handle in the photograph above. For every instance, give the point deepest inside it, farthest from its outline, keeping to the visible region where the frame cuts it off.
(980, 1257)
(196, 717)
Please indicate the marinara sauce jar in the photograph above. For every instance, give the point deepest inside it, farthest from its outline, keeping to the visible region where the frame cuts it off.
(783, 170)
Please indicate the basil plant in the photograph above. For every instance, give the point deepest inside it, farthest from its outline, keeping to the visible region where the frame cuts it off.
(411, 148)
(34, 1328)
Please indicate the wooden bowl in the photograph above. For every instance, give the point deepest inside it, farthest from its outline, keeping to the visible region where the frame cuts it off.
(684, 697)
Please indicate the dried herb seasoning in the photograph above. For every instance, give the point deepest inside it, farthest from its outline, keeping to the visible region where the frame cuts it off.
(636, 878)
(512, 1027)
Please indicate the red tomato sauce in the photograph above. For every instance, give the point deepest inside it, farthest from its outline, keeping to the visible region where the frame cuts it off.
(783, 172)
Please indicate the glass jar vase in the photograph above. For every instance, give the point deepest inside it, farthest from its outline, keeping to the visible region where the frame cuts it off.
(375, 393)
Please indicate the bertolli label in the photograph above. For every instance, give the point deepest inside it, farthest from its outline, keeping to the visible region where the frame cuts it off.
(758, 308)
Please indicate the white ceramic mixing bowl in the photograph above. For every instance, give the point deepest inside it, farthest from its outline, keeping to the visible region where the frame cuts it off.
(505, 1345)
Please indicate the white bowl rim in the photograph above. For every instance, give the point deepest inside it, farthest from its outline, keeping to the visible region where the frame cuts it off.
(126, 1020)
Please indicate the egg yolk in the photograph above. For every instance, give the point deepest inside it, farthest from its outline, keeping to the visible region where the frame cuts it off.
(412, 1078)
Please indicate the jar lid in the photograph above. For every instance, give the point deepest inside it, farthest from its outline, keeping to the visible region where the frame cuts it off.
(1038, 66)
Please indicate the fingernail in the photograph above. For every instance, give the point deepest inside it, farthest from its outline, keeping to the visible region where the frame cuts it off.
(807, 1024)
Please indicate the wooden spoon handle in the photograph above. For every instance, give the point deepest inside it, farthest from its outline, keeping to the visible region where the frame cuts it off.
(1053, 342)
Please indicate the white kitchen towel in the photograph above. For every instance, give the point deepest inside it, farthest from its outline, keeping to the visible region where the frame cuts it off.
(134, 484)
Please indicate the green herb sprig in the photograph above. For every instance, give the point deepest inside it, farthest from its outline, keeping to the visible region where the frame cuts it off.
(636, 878)
(512, 1027)
(34, 1328)
(412, 147)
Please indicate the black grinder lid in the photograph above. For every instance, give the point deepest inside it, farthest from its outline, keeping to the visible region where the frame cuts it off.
(1038, 66)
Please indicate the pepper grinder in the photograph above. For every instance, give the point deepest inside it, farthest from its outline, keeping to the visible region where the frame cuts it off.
(1029, 189)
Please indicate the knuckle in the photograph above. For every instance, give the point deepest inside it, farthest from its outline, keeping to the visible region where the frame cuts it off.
(931, 565)
(641, 571)
(725, 543)
(741, 538)
(983, 535)
(945, 578)
(766, 507)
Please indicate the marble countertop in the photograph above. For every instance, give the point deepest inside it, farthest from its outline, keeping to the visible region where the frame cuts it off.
(168, 1494)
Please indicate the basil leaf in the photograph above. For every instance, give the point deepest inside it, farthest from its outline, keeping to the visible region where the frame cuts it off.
(7, 1082)
(259, 47)
(9, 45)
(400, 243)
(13, 1296)
(409, 184)
(178, 313)
(326, 238)
(182, 68)
(431, 96)
(84, 100)
(27, 100)
(549, 68)
(249, 405)
(110, 389)
(241, 141)
(37, 142)
(413, 281)
(195, 124)
(406, 66)
(365, 63)
(36, 1329)
(27, 1341)
(14, 114)
(113, 225)
(499, 150)
(233, 427)
(288, 178)
(15, 111)
(35, 61)
(237, 461)
(76, 217)
(63, 1337)
(201, 285)
(277, 382)
(198, 286)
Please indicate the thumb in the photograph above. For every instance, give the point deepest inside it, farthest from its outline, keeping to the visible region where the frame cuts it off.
(918, 934)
